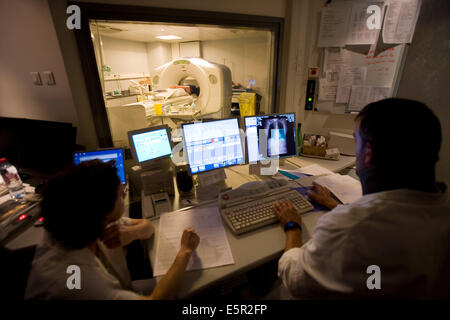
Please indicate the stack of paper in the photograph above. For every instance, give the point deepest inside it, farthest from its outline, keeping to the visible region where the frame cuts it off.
(213, 250)
(344, 187)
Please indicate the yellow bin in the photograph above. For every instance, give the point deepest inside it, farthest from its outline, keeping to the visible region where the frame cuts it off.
(247, 104)
(158, 109)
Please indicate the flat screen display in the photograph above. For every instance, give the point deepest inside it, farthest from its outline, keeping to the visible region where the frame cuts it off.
(105, 156)
(213, 144)
(270, 136)
(151, 145)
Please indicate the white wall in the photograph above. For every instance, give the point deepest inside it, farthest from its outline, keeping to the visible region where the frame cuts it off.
(247, 59)
(28, 43)
(158, 53)
(124, 56)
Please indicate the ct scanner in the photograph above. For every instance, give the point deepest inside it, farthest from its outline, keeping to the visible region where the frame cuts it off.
(214, 81)
(214, 100)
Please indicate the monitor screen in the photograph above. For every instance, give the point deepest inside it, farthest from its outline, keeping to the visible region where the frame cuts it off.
(105, 156)
(150, 143)
(270, 136)
(213, 144)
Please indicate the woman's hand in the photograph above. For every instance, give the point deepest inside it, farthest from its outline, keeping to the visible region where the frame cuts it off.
(189, 241)
(118, 235)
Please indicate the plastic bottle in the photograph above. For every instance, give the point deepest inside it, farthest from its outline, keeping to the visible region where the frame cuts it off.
(12, 179)
(299, 138)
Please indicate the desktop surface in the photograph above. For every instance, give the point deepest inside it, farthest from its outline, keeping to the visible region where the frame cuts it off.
(249, 250)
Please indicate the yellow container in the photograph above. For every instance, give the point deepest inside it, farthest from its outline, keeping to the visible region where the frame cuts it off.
(247, 104)
(158, 109)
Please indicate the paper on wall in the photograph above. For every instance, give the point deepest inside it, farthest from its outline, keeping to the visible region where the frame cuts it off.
(335, 58)
(361, 96)
(381, 66)
(328, 86)
(213, 250)
(348, 77)
(400, 21)
(334, 25)
(358, 32)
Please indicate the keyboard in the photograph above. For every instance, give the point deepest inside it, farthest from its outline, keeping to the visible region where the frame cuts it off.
(257, 212)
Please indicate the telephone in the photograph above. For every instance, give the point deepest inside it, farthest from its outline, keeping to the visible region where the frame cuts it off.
(155, 204)
(252, 191)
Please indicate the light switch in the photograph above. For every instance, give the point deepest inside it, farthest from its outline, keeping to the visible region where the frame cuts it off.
(36, 78)
(49, 78)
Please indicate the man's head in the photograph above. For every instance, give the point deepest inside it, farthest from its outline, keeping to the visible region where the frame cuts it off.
(397, 135)
(79, 202)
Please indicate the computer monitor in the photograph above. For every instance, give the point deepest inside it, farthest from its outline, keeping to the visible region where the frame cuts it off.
(270, 136)
(104, 155)
(149, 146)
(213, 144)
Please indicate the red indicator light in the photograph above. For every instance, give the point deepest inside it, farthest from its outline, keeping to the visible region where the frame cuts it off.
(41, 219)
(23, 216)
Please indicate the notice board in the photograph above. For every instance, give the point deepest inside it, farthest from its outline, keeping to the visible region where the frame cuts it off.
(363, 48)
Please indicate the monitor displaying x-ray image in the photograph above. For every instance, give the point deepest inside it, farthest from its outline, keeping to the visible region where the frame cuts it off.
(270, 136)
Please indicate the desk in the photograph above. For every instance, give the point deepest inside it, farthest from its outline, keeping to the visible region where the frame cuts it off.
(247, 250)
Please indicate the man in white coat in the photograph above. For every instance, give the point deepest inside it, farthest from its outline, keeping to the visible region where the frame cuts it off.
(395, 240)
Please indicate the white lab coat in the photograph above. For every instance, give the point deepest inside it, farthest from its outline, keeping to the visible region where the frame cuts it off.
(404, 232)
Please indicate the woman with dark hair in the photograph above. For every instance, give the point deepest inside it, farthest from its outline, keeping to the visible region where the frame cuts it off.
(82, 210)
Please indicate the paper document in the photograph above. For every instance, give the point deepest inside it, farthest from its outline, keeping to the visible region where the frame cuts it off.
(314, 170)
(213, 250)
(400, 21)
(381, 66)
(358, 32)
(344, 187)
(335, 58)
(348, 77)
(334, 25)
(361, 96)
(328, 86)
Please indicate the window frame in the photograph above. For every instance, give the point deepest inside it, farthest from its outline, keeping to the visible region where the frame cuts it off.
(94, 11)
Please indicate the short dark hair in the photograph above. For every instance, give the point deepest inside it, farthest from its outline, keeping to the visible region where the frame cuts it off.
(77, 200)
(401, 131)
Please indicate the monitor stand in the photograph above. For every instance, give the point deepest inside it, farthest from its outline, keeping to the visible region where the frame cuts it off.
(265, 168)
(210, 184)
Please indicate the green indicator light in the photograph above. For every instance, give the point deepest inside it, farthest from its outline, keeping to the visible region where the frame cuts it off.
(309, 99)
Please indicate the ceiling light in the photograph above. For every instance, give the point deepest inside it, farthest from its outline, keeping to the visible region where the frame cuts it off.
(170, 37)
